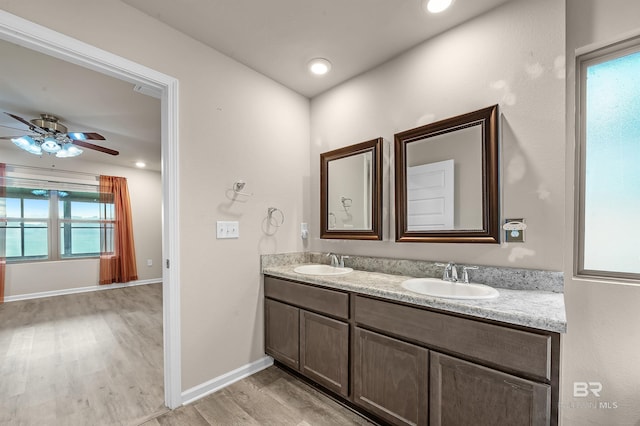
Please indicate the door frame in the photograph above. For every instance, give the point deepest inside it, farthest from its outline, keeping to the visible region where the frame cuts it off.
(44, 40)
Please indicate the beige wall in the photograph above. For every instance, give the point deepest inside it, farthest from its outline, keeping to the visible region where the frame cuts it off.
(146, 205)
(603, 336)
(233, 124)
(512, 56)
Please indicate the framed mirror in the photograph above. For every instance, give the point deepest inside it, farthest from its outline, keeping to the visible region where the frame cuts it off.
(446, 180)
(351, 192)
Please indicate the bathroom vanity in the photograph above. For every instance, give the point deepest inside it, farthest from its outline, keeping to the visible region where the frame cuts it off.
(407, 359)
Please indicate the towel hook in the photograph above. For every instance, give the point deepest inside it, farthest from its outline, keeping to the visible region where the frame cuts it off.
(238, 186)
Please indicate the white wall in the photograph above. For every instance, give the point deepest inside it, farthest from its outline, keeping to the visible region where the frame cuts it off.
(233, 123)
(512, 56)
(603, 336)
(146, 205)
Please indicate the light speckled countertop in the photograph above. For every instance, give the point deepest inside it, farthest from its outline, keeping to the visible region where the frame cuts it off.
(530, 308)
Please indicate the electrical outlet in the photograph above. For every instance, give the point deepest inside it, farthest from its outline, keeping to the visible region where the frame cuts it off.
(514, 235)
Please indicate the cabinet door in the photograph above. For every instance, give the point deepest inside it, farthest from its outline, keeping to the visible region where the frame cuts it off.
(324, 351)
(282, 332)
(391, 378)
(463, 393)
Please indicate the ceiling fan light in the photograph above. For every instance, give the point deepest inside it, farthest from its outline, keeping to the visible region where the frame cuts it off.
(28, 144)
(23, 141)
(50, 145)
(69, 150)
(78, 136)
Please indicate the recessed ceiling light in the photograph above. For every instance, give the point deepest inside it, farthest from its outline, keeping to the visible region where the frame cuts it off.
(436, 6)
(319, 66)
(141, 164)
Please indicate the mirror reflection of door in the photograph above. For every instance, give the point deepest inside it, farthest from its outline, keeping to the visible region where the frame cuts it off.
(464, 147)
(349, 192)
(430, 192)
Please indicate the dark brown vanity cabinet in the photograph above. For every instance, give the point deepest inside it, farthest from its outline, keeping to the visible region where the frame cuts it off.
(391, 378)
(408, 365)
(464, 393)
(282, 337)
(312, 343)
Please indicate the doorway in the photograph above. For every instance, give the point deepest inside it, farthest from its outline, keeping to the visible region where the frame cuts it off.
(33, 36)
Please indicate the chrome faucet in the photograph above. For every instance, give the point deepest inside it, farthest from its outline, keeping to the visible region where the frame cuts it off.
(341, 262)
(450, 272)
(334, 259)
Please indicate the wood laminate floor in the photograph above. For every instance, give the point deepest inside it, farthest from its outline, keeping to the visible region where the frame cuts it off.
(269, 397)
(95, 359)
(82, 359)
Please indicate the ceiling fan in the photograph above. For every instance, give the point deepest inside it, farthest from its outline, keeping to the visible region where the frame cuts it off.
(50, 136)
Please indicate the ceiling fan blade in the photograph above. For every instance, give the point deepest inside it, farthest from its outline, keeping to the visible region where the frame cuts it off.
(94, 136)
(10, 137)
(80, 136)
(31, 126)
(12, 128)
(95, 147)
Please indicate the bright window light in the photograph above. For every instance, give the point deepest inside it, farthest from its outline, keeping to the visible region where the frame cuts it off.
(610, 176)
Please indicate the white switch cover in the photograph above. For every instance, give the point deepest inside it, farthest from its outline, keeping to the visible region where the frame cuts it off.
(149, 262)
(227, 229)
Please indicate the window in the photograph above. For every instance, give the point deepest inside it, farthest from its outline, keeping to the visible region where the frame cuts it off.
(609, 163)
(55, 224)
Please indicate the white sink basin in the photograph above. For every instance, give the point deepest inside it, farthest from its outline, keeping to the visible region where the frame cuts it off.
(321, 270)
(438, 288)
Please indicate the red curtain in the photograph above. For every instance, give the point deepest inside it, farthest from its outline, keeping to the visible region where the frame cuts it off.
(118, 258)
(3, 229)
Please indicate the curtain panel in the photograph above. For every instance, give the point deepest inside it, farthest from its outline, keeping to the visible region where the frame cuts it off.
(118, 254)
(3, 228)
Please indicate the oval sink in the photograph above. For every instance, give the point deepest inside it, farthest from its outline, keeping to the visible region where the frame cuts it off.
(438, 288)
(321, 270)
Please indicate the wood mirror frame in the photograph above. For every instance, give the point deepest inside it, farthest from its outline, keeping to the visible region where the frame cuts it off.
(375, 232)
(487, 118)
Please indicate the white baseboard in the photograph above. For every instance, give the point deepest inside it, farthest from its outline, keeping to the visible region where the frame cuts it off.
(79, 290)
(213, 385)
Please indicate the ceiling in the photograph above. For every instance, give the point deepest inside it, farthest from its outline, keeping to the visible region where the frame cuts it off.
(32, 83)
(276, 38)
(279, 37)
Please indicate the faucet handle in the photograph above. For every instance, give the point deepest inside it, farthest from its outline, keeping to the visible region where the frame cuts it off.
(465, 273)
(341, 262)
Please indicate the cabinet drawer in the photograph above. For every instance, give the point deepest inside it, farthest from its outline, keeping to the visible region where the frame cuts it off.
(329, 302)
(512, 349)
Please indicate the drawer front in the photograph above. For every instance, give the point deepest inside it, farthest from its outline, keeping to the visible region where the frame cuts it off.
(513, 349)
(329, 302)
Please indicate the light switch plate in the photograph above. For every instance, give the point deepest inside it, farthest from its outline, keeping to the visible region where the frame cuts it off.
(227, 229)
